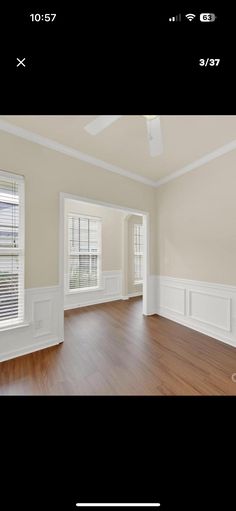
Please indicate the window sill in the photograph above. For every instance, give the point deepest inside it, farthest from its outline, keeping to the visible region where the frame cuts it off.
(85, 290)
(13, 327)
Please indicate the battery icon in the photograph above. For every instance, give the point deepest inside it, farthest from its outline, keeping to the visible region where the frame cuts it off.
(207, 16)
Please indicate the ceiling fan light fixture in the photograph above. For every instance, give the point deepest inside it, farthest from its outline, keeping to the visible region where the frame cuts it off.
(150, 117)
(153, 124)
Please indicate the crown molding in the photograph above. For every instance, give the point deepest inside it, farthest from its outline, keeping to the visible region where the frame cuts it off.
(231, 146)
(69, 151)
(74, 153)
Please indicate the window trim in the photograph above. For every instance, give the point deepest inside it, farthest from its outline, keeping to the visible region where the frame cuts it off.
(69, 291)
(16, 323)
(137, 282)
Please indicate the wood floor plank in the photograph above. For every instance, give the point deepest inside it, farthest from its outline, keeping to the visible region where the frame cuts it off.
(112, 349)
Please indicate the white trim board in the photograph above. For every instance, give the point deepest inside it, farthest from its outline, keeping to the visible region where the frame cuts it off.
(95, 301)
(132, 295)
(28, 349)
(79, 155)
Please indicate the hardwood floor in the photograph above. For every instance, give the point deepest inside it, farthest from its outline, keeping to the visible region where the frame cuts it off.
(112, 349)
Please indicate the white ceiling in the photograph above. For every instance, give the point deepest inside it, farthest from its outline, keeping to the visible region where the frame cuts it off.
(124, 144)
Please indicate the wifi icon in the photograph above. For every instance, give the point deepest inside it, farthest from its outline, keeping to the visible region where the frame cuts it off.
(190, 17)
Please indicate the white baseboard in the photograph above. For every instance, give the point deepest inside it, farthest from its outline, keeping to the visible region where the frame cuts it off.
(31, 348)
(41, 328)
(131, 295)
(208, 308)
(96, 301)
(92, 302)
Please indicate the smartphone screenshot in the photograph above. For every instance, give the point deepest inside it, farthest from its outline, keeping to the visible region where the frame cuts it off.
(117, 257)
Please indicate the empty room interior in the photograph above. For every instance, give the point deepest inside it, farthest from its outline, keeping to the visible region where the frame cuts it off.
(117, 255)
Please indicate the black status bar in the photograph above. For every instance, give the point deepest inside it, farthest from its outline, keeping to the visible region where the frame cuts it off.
(84, 16)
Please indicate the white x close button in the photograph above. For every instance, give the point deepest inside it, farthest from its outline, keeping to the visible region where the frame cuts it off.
(20, 62)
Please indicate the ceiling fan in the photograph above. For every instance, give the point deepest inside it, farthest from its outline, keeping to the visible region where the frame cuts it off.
(153, 130)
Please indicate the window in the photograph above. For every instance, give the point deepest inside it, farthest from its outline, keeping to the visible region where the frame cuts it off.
(11, 249)
(138, 253)
(84, 252)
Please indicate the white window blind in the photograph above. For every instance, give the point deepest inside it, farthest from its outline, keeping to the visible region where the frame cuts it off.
(84, 252)
(11, 249)
(138, 253)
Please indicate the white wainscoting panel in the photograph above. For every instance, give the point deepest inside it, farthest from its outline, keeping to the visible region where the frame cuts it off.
(206, 307)
(173, 298)
(210, 309)
(41, 328)
(111, 289)
(112, 283)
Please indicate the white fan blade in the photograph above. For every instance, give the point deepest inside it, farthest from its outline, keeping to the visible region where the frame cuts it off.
(100, 123)
(154, 136)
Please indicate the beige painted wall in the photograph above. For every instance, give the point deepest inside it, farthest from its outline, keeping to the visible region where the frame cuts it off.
(111, 231)
(193, 218)
(132, 288)
(196, 223)
(47, 173)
